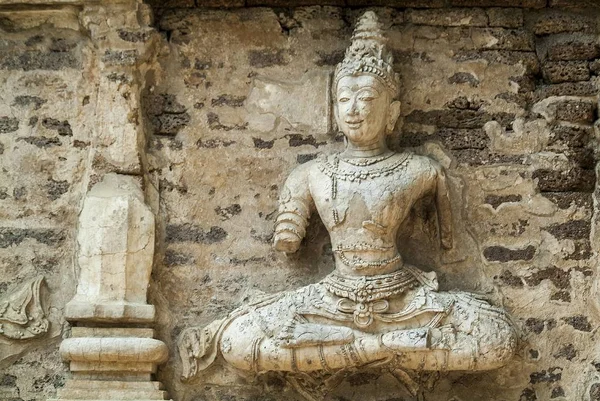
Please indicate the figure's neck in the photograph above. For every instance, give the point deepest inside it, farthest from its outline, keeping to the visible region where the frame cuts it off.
(365, 149)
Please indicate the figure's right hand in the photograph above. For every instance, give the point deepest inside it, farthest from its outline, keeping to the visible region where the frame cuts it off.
(286, 242)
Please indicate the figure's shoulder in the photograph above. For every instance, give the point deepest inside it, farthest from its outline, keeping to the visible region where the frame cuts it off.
(426, 164)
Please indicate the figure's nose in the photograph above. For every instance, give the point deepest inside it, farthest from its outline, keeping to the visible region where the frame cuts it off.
(353, 108)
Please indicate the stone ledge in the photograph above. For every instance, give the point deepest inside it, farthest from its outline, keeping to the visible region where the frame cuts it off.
(113, 313)
(114, 349)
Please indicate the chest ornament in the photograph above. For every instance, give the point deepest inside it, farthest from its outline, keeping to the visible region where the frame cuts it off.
(360, 169)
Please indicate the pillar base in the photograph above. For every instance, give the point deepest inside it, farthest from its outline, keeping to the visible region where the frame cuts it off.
(96, 390)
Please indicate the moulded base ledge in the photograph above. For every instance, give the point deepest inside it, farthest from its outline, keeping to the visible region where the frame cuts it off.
(90, 390)
(116, 312)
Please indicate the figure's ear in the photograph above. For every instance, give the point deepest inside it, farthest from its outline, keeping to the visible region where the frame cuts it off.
(393, 115)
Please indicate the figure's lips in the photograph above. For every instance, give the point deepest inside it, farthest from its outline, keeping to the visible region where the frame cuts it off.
(354, 124)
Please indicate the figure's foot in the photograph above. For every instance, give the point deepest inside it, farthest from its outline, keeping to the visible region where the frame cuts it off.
(197, 349)
(407, 340)
(296, 334)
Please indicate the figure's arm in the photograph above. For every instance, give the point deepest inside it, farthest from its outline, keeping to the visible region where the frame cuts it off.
(444, 210)
(295, 207)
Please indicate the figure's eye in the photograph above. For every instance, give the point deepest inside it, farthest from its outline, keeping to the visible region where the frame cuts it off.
(343, 99)
(367, 98)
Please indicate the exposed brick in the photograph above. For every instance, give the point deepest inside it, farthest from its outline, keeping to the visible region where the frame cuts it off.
(497, 200)
(574, 50)
(166, 114)
(550, 376)
(504, 39)
(55, 189)
(26, 100)
(582, 251)
(560, 278)
(580, 4)
(38, 60)
(174, 258)
(134, 36)
(262, 144)
(213, 3)
(62, 45)
(395, 3)
(566, 351)
(505, 17)
(8, 124)
(193, 233)
(464, 103)
(566, 71)
(297, 3)
(170, 124)
(456, 118)
(120, 57)
(582, 88)
(62, 127)
(266, 58)
(463, 78)
(551, 23)
(520, 99)
(499, 3)
(564, 200)
(528, 394)
(573, 229)
(536, 325)
(163, 103)
(228, 100)
(456, 139)
(448, 17)
(579, 322)
(528, 59)
(510, 279)
(595, 67)
(503, 254)
(10, 236)
(214, 143)
(295, 140)
(576, 111)
(572, 180)
(526, 83)
(570, 135)
(306, 157)
(483, 157)
(563, 296)
(581, 157)
(228, 212)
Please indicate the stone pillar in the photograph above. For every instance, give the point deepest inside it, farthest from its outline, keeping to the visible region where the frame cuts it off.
(112, 353)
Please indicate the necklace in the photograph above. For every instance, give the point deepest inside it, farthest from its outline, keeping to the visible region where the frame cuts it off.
(367, 161)
(332, 169)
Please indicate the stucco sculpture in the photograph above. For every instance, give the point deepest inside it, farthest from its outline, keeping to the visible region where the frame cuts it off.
(21, 313)
(373, 309)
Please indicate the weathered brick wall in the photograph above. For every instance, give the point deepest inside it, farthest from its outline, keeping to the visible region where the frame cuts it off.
(504, 97)
(46, 114)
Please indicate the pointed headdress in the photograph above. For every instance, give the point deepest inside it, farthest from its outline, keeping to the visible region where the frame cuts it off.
(368, 54)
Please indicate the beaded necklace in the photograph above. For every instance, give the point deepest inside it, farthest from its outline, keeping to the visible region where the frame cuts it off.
(332, 169)
(367, 161)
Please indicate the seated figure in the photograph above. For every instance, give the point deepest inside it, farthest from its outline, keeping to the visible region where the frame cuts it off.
(373, 308)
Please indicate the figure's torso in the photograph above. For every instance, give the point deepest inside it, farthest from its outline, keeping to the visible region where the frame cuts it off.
(363, 206)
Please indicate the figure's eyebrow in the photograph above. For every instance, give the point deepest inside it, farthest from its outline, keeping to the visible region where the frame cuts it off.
(370, 87)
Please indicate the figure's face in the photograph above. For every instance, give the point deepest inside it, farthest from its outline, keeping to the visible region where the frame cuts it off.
(363, 109)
